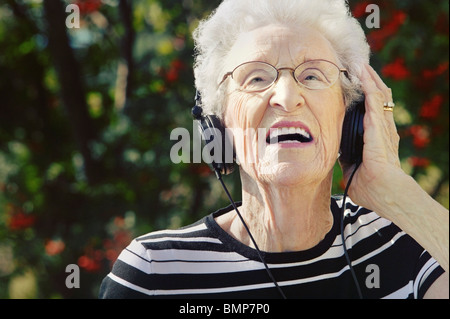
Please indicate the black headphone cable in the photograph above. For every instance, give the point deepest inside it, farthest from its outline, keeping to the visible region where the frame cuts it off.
(344, 246)
(219, 177)
(347, 257)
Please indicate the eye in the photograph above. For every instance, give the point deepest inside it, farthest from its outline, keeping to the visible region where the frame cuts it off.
(257, 79)
(312, 75)
(312, 78)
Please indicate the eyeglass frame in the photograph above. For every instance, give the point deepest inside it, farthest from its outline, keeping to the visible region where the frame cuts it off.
(341, 70)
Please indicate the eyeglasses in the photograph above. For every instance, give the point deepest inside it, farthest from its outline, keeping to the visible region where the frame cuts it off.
(258, 76)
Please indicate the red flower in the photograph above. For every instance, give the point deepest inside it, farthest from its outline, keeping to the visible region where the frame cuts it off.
(360, 9)
(112, 255)
(378, 38)
(54, 247)
(88, 6)
(91, 261)
(420, 162)
(88, 263)
(430, 109)
(421, 135)
(173, 74)
(17, 219)
(396, 70)
(177, 64)
(430, 74)
(122, 238)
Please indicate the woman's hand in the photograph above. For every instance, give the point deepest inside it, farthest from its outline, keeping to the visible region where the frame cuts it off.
(380, 184)
(381, 162)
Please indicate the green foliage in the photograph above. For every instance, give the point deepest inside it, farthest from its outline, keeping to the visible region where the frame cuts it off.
(76, 186)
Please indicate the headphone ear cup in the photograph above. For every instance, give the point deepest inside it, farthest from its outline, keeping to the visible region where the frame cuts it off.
(216, 139)
(352, 141)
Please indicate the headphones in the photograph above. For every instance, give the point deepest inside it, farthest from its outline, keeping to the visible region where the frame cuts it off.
(352, 141)
(351, 150)
(213, 131)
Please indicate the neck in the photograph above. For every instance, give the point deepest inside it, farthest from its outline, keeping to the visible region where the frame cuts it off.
(286, 218)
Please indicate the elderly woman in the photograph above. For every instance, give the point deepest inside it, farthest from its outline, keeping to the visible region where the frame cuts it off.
(292, 68)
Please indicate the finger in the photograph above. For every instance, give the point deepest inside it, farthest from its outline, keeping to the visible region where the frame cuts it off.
(385, 132)
(380, 83)
(394, 138)
(387, 92)
(374, 95)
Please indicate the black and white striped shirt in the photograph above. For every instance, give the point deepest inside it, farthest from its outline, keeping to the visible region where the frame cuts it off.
(204, 261)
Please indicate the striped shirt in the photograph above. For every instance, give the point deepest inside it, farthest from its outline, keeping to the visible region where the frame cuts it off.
(204, 261)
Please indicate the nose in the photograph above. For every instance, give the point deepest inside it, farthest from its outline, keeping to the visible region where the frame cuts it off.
(286, 93)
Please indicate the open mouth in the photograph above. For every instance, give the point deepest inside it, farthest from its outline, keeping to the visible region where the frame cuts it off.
(282, 135)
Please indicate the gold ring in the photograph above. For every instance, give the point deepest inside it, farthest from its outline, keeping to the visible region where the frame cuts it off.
(389, 106)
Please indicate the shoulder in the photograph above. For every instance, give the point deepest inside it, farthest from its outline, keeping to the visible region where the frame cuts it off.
(191, 230)
(352, 213)
(365, 228)
(163, 244)
(134, 274)
(373, 240)
(197, 233)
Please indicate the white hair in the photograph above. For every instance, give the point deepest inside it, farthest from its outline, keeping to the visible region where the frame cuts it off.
(216, 35)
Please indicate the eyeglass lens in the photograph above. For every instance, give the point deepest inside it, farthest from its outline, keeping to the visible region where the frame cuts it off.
(258, 76)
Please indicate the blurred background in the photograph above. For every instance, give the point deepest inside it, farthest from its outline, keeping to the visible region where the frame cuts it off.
(86, 115)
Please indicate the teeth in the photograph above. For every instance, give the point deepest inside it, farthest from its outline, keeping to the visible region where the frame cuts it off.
(274, 133)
